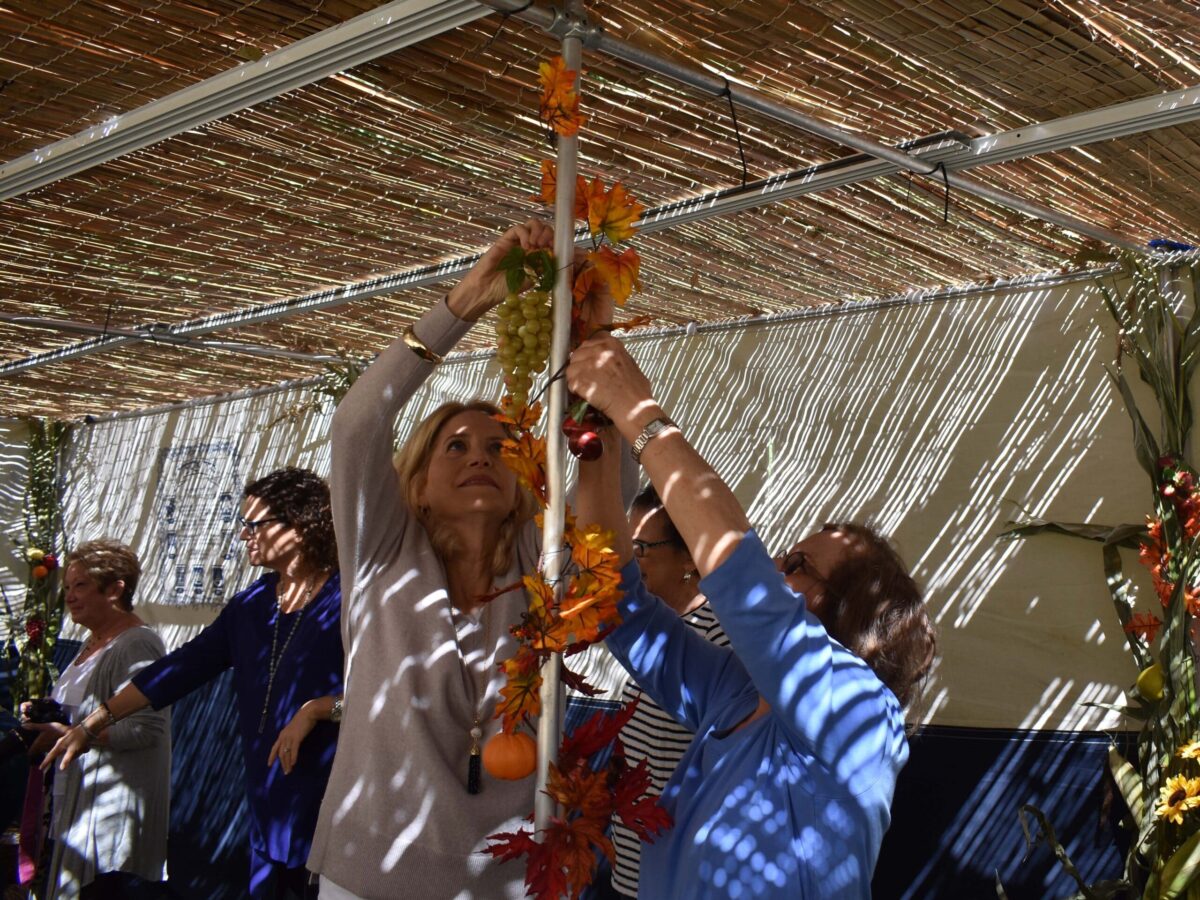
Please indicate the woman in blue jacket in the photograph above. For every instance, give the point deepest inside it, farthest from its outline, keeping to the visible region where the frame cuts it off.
(785, 791)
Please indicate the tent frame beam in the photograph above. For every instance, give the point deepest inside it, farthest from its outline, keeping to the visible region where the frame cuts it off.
(356, 41)
(553, 22)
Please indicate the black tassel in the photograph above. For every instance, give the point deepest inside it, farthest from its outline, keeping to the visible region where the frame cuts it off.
(474, 771)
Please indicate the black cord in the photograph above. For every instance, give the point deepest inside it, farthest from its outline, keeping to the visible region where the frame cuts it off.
(504, 21)
(107, 319)
(549, 381)
(737, 131)
(946, 183)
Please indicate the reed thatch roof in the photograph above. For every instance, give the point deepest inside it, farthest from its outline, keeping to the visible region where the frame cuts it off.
(426, 153)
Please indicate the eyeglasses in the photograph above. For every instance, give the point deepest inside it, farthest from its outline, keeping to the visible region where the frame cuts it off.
(252, 525)
(640, 547)
(798, 561)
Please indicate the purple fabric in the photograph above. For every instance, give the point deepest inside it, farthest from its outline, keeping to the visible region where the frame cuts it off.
(283, 809)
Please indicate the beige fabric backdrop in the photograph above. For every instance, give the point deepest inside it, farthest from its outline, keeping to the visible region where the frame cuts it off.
(931, 419)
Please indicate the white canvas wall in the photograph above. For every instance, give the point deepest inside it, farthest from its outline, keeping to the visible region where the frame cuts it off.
(929, 419)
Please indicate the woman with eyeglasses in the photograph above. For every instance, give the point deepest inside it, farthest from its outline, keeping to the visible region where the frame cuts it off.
(786, 789)
(282, 638)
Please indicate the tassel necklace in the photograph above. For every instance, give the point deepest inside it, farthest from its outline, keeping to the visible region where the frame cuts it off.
(273, 659)
(470, 680)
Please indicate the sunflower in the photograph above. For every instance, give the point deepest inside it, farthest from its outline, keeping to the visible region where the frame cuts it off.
(1190, 750)
(1178, 796)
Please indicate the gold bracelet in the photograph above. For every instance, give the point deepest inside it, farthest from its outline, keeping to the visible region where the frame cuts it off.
(418, 346)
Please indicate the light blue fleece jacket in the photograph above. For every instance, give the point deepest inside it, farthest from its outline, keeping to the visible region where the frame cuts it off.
(795, 804)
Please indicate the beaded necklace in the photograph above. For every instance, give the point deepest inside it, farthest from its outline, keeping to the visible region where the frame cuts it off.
(273, 660)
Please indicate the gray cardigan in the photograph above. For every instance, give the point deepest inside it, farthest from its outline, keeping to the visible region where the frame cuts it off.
(116, 805)
(397, 820)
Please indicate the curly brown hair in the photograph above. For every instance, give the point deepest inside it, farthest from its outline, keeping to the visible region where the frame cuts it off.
(876, 611)
(301, 499)
(107, 561)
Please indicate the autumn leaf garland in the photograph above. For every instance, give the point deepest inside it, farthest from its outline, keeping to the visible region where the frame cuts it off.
(561, 858)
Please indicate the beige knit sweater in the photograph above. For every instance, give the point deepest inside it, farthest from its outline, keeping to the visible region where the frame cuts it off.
(397, 821)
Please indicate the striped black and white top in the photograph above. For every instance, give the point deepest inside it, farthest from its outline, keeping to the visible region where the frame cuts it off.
(654, 736)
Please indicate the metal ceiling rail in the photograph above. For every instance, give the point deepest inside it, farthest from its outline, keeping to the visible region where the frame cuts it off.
(1116, 121)
(558, 23)
(161, 334)
(361, 39)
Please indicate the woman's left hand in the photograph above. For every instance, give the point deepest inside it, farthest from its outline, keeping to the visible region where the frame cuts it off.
(286, 748)
(603, 373)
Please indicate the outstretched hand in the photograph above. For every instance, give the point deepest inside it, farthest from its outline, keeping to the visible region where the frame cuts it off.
(603, 373)
(71, 743)
(484, 286)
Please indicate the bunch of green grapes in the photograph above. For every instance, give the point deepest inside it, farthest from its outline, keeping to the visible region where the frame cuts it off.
(523, 330)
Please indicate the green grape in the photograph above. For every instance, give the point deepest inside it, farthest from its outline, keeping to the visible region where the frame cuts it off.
(523, 329)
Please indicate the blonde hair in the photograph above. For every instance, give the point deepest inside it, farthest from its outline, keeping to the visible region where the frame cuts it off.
(107, 561)
(412, 465)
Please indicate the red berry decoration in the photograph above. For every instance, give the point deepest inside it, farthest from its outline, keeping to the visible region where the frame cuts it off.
(34, 629)
(587, 446)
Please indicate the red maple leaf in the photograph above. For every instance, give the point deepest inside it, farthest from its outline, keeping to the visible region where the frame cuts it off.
(595, 734)
(637, 808)
(1145, 625)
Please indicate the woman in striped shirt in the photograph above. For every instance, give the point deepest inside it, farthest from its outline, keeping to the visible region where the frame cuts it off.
(653, 734)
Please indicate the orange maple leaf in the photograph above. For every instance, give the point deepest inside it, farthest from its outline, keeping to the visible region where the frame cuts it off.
(593, 609)
(585, 280)
(612, 212)
(580, 790)
(549, 191)
(621, 271)
(526, 456)
(542, 628)
(559, 107)
(1146, 625)
(635, 322)
(520, 698)
(518, 418)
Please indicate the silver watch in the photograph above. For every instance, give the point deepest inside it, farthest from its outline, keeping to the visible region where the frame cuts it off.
(335, 714)
(653, 429)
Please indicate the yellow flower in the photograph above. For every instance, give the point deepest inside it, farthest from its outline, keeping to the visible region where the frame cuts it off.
(1178, 796)
(1190, 750)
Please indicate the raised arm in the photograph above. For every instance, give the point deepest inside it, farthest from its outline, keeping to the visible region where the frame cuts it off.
(369, 515)
(705, 511)
(825, 695)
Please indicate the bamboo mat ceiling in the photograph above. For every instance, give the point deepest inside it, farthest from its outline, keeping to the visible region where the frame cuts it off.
(425, 154)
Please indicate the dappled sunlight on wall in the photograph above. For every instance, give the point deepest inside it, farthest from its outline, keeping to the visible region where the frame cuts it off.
(929, 420)
(14, 472)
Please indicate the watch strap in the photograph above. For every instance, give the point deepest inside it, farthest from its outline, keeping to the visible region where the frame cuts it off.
(653, 429)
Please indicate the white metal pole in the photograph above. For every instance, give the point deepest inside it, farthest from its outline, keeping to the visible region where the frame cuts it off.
(550, 723)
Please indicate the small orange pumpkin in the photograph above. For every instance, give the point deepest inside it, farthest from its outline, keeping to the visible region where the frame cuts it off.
(510, 757)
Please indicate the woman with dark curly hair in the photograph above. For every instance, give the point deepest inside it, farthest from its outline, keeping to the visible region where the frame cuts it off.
(282, 637)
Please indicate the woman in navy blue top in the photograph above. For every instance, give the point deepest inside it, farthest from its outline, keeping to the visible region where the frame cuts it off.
(785, 791)
(282, 638)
